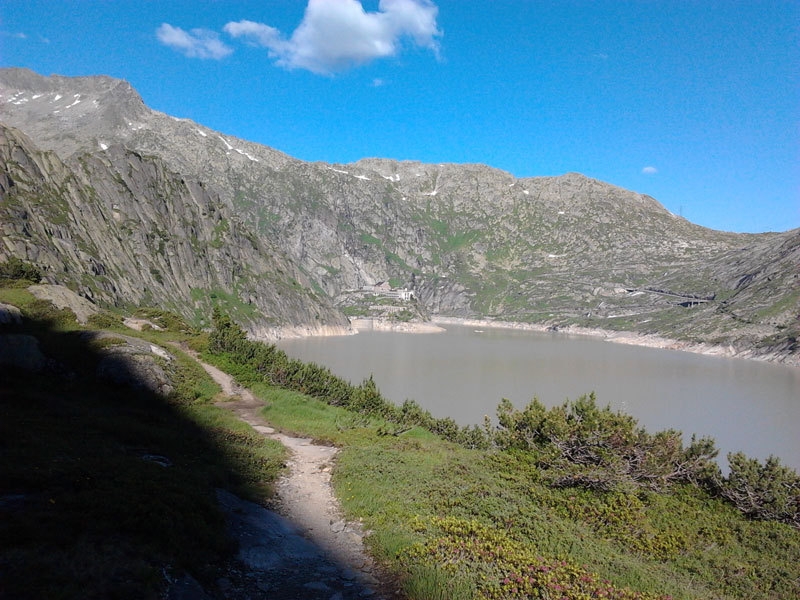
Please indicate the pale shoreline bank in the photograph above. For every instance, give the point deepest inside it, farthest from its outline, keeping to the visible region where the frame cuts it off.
(632, 338)
(437, 324)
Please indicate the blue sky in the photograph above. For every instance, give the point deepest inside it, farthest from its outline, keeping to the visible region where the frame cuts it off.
(696, 103)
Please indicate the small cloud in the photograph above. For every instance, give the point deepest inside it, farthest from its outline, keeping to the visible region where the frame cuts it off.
(600, 56)
(196, 43)
(18, 35)
(649, 170)
(256, 34)
(335, 35)
(378, 82)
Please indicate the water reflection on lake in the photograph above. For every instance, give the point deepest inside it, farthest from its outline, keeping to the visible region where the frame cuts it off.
(744, 405)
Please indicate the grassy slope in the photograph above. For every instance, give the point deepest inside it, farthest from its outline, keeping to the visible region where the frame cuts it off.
(450, 522)
(457, 523)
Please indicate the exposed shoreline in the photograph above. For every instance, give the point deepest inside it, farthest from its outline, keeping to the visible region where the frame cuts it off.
(632, 338)
(436, 325)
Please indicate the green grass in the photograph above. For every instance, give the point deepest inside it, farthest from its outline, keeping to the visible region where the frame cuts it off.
(17, 296)
(91, 518)
(370, 239)
(458, 523)
(230, 302)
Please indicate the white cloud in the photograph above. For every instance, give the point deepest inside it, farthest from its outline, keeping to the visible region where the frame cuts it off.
(255, 33)
(337, 34)
(196, 43)
(16, 35)
(648, 170)
(378, 82)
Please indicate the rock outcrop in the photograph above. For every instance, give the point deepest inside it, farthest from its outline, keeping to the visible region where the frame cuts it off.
(63, 297)
(121, 229)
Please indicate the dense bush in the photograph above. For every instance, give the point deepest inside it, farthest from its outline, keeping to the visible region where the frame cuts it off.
(105, 320)
(501, 567)
(14, 268)
(583, 445)
(770, 491)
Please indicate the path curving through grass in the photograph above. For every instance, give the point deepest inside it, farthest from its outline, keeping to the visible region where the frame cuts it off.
(305, 495)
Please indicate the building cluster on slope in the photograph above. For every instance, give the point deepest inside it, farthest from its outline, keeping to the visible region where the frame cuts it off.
(384, 290)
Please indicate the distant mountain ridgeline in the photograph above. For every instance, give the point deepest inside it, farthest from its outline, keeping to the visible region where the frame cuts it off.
(281, 241)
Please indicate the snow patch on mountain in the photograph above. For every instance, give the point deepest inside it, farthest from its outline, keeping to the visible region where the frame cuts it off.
(227, 145)
(250, 156)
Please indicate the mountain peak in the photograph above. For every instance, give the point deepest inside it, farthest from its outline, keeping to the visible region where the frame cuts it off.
(60, 113)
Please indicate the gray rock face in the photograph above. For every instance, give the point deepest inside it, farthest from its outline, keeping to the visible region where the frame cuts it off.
(122, 229)
(470, 240)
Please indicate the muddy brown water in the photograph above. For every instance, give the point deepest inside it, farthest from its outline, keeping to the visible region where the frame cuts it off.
(463, 373)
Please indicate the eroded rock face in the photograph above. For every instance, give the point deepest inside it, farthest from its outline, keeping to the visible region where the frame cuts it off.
(121, 229)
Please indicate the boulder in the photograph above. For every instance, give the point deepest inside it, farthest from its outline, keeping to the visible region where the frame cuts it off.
(21, 351)
(63, 297)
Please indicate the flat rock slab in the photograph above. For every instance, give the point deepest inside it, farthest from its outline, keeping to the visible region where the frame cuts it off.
(63, 297)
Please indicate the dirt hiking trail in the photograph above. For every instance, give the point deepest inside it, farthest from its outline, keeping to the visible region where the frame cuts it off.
(306, 500)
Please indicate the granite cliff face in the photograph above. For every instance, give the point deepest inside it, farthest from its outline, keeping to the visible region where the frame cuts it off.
(122, 229)
(471, 241)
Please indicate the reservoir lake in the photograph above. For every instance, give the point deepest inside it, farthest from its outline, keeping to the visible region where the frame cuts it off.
(464, 372)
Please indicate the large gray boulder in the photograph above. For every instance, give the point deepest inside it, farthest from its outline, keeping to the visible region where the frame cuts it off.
(20, 351)
(63, 297)
(135, 363)
(10, 315)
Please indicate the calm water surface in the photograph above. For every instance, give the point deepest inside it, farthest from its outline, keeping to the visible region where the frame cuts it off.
(463, 373)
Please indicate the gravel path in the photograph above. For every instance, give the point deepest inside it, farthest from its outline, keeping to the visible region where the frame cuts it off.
(307, 550)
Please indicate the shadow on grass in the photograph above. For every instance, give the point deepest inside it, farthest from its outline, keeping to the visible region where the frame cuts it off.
(110, 491)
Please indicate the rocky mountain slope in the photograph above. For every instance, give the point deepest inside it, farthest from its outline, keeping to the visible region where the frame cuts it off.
(470, 240)
(122, 229)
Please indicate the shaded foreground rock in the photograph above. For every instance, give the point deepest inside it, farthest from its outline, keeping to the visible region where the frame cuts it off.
(135, 363)
(276, 561)
(20, 351)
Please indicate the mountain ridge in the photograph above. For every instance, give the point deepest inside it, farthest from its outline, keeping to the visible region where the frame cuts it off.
(471, 241)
